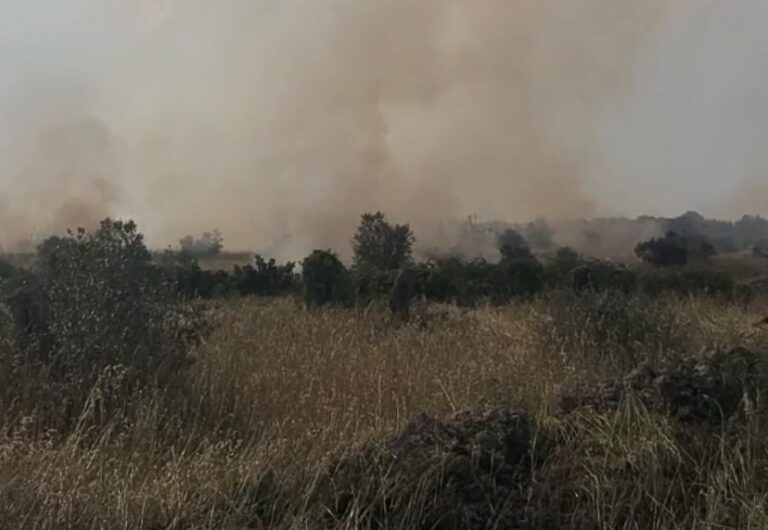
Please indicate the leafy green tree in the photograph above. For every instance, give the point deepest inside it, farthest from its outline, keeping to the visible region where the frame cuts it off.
(377, 244)
(326, 279)
(670, 250)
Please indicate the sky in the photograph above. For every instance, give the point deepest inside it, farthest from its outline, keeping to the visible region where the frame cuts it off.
(280, 121)
(692, 132)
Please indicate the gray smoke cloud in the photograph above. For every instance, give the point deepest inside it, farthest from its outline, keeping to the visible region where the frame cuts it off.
(279, 122)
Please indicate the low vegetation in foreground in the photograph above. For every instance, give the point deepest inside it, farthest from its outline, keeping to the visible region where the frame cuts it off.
(581, 398)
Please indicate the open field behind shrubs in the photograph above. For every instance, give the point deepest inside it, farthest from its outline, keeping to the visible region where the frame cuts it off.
(278, 396)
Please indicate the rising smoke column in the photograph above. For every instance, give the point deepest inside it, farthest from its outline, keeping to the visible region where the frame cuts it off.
(284, 120)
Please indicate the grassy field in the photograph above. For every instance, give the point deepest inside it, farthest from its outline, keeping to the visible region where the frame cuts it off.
(278, 392)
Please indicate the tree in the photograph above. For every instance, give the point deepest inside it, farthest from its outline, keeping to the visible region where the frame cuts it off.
(512, 245)
(670, 250)
(326, 280)
(379, 245)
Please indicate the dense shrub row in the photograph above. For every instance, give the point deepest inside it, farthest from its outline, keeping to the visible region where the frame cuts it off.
(262, 277)
(326, 280)
(384, 268)
(98, 311)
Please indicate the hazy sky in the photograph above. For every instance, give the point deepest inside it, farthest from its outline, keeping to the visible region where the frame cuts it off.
(693, 132)
(277, 120)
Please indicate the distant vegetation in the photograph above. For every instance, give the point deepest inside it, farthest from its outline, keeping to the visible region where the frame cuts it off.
(209, 244)
(384, 268)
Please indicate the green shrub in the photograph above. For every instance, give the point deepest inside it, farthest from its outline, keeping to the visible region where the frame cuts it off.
(558, 270)
(326, 280)
(264, 278)
(668, 251)
(97, 308)
(686, 282)
(598, 275)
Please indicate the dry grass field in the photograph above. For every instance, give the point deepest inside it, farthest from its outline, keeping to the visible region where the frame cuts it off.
(277, 393)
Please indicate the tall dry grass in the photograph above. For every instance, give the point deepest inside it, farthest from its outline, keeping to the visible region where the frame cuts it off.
(277, 390)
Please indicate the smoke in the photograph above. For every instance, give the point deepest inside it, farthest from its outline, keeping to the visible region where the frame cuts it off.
(280, 121)
(66, 176)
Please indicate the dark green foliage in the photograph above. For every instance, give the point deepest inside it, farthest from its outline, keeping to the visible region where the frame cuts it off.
(96, 308)
(599, 275)
(371, 284)
(380, 245)
(194, 282)
(668, 251)
(558, 271)
(468, 283)
(262, 278)
(686, 282)
(326, 280)
(7, 270)
(23, 297)
(702, 251)
(518, 277)
(191, 280)
(512, 245)
(209, 244)
(265, 278)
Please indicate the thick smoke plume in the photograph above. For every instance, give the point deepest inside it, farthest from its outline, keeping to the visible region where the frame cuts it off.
(280, 121)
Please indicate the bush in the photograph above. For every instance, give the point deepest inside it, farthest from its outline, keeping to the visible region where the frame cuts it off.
(265, 278)
(97, 308)
(326, 280)
(599, 275)
(470, 471)
(687, 282)
(558, 271)
(371, 284)
(723, 387)
(512, 245)
(191, 280)
(516, 278)
(671, 250)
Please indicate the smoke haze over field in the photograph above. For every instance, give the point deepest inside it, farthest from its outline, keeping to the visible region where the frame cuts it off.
(280, 121)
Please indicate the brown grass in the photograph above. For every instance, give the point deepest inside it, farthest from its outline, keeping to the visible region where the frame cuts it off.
(277, 390)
